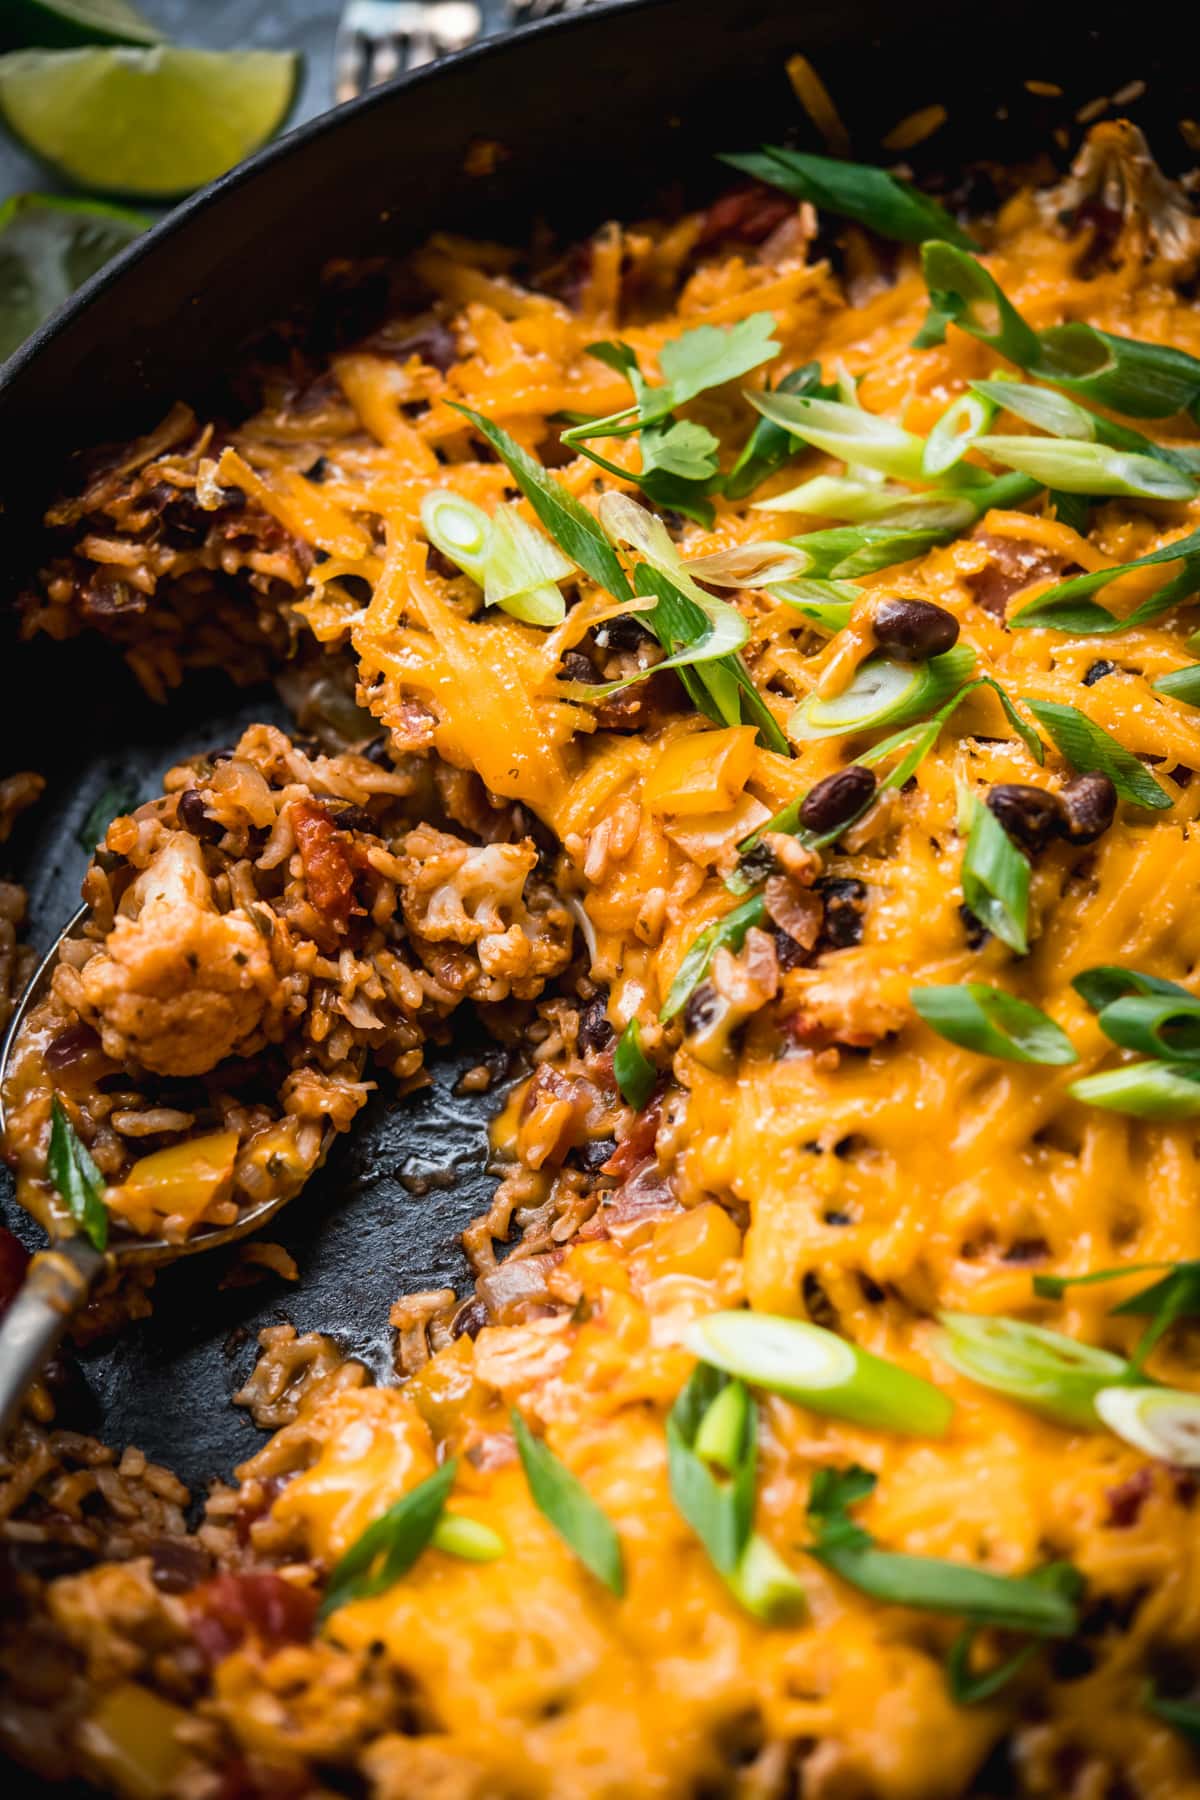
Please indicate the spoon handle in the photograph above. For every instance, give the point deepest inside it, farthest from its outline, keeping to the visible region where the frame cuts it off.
(57, 1283)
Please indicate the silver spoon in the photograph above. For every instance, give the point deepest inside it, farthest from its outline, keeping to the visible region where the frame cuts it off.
(59, 1279)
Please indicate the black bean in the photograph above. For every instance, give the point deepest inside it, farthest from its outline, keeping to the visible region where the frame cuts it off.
(914, 630)
(595, 1153)
(471, 1316)
(595, 1032)
(974, 930)
(434, 345)
(837, 799)
(1090, 804)
(788, 953)
(817, 1304)
(70, 1046)
(1030, 815)
(177, 1566)
(625, 632)
(377, 750)
(576, 665)
(845, 905)
(356, 818)
(438, 563)
(1097, 671)
(702, 1008)
(192, 816)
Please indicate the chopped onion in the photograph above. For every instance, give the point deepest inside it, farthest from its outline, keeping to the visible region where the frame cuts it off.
(1164, 1422)
(820, 1370)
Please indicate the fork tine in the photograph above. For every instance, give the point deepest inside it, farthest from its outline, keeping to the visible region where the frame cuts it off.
(351, 61)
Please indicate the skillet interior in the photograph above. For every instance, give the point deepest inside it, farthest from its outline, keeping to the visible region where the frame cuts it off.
(601, 114)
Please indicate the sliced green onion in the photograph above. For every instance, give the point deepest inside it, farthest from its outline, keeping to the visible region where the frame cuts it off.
(995, 880)
(470, 1539)
(857, 502)
(522, 569)
(769, 1590)
(1164, 1026)
(1064, 418)
(387, 1549)
(459, 529)
(993, 1023)
(1013, 1602)
(108, 805)
(1181, 684)
(769, 446)
(1045, 1370)
(883, 692)
(563, 1500)
(757, 565)
(844, 431)
(1145, 1090)
(633, 1071)
(1145, 381)
(1100, 986)
(719, 1510)
(728, 933)
(79, 1182)
(871, 197)
(957, 431)
(1076, 468)
(1164, 1422)
(970, 1689)
(1175, 1297)
(848, 551)
(822, 1371)
(1089, 748)
(570, 524)
(919, 739)
(961, 289)
(721, 1434)
(1184, 1715)
(1068, 607)
(825, 604)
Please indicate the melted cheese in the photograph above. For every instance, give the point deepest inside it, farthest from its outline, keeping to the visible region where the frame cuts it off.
(892, 1182)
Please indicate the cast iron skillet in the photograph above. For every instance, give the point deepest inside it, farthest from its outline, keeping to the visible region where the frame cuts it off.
(607, 113)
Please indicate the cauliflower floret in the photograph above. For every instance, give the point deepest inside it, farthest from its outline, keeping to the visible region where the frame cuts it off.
(179, 986)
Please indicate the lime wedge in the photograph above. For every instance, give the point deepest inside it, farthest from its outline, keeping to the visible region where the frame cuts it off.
(150, 123)
(55, 24)
(48, 248)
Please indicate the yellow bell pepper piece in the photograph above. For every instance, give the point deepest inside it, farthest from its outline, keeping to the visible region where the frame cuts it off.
(702, 772)
(184, 1179)
(695, 1243)
(131, 1740)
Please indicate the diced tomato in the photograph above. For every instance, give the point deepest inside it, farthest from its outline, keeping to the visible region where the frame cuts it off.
(328, 869)
(230, 1608)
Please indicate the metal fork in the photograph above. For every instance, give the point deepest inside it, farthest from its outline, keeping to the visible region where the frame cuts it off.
(528, 12)
(377, 39)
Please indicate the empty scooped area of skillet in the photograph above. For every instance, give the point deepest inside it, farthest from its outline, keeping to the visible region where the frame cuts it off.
(381, 1218)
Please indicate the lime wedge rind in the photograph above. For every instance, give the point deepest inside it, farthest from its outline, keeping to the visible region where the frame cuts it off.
(65, 24)
(49, 247)
(146, 124)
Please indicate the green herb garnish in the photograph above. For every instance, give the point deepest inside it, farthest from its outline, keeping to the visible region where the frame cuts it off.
(1091, 749)
(968, 1689)
(567, 520)
(993, 1023)
(387, 1550)
(871, 197)
(1184, 1715)
(1144, 381)
(727, 933)
(1180, 684)
(1068, 607)
(1045, 1370)
(1013, 1602)
(769, 445)
(562, 1499)
(633, 1071)
(995, 880)
(822, 1371)
(108, 805)
(79, 1182)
